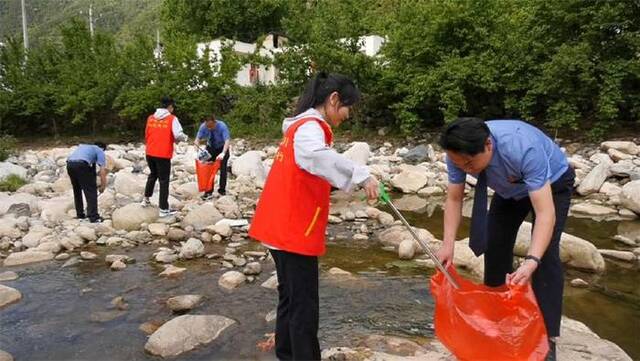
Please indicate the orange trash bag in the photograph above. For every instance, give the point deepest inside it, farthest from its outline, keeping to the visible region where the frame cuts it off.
(206, 174)
(476, 322)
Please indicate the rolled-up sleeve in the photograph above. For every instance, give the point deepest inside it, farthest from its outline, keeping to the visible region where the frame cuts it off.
(314, 156)
(455, 174)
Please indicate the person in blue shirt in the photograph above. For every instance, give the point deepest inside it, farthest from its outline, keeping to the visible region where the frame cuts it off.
(81, 167)
(216, 135)
(529, 174)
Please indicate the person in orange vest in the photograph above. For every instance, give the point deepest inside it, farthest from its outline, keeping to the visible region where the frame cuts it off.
(293, 209)
(162, 131)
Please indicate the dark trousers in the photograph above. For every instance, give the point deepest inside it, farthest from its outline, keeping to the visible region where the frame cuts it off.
(83, 180)
(505, 218)
(223, 167)
(298, 306)
(160, 170)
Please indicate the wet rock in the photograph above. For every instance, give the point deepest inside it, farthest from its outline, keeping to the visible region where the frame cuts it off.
(202, 216)
(186, 332)
(271, 316)
(394, 235)
(71, 241)
(8, 296)
(109, 259)
(579, 343)
(119, 303)
(88, 256)
(5, 356)
(172, 271)
(630, 196)
(252, 268)
(593, 210)
(133, 215)
(392, 345)
(579, 283)
(166, 256)
(337, 272)
(8, 276)
(86, 233)
(359, 152)
(624, 256)
(118, 266)
(385, 219)
(150, 327)
(71, 262)
(106, 316)
(360, 237)
(183, 302)
(271, 283)
(193, 248)
(407, 249)
(26, 257)
(231, 280)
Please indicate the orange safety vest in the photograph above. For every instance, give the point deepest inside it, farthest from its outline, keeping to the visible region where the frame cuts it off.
(293, 209)
(159, 137)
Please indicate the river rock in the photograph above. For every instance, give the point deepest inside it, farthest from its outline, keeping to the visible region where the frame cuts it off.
(35, 235)
(617, 155)
(5, 356)
(186, 332)
(7, 169)
(359, 152)
(202, 216)
(183, 302)
(407, 249)
(188, 191)
(231, 280)
(411, 203)
(193, 248)
(133, 215)
(385, 219)
(8, 296)
(252, 268)
(26, 257)
(625, 256)
(228, 207)
(118, 265)
(596, 177)
(129, 184)
(56, 209)
(9, 228)
(250, 164)
(223, 229)
(392, 345)
(86, 233)
(88, 256)
(36, 188)
(579, 283)
(630, 230)
(622, 146)
(593, 210)
(419, 154)
(176, 235)
(158, 229)
(410, 181)
(574, 251)
(271, 283)
(464, 257)
(8, 276)
(394, 235)
(7, 201)
(579, 343)
(172, 271)
(630, 196)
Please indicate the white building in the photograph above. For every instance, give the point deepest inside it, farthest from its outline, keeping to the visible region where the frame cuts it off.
(251, 74)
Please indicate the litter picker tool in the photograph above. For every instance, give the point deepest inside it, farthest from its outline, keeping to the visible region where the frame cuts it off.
(384, 197)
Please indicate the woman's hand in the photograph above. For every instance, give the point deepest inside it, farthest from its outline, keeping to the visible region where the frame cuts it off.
(371, 188)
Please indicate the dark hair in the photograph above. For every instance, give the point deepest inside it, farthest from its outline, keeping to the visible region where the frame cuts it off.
(465, 135)
(319, 88)
(166, 101)
(101, 145)
(210, 118)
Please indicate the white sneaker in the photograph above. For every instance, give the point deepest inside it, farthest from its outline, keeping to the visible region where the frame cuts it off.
(167, 213)
(145, 202)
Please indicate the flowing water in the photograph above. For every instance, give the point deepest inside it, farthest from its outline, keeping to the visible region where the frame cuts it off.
(65, 313)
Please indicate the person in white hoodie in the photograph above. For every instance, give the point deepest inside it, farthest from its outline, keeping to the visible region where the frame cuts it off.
(162, 131)
(292, 213)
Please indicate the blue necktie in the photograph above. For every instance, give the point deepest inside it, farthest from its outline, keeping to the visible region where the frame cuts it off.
(478, 238)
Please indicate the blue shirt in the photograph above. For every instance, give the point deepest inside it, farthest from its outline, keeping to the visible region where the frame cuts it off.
(90, 153)
(524, 159)
(216, 136)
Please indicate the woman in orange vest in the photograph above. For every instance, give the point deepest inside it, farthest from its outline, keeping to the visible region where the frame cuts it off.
(292, 213)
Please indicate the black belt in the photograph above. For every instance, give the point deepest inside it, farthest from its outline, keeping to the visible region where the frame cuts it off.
(78, 161)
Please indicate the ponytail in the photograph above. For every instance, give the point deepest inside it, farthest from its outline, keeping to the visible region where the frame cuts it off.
(322, 86)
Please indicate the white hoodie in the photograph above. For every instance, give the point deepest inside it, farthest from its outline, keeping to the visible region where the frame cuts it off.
(313, 155)
(176, 127)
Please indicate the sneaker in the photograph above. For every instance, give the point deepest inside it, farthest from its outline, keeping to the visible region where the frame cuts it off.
(145, 202)
(551, 356)
(207, 197)
(97, 220)
(167, 213)
(222, 192)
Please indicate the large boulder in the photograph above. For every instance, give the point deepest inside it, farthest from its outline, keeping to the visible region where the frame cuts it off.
(359, 153)
(622, 146)
(62, 184)
(579, 343)
(56, 209)
(36, 188)
(410, 180)
(184, 333)
(6, 201)
(7, 169)
(8, 296)
(228, 207)
(574, 251)
(133, 215)
(35, 235)
(464, 257)
(250, 164)
(188, 190)
(596, 177)
(593, 210)
(129, 184)
(26, 257)
(202, 216)
(420, 154)
(630, 196)
(9, 228)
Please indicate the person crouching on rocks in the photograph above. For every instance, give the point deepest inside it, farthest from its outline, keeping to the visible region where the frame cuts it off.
(293, 209)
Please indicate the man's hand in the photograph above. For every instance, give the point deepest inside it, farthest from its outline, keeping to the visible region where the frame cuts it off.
(371, 188)
(220, 156)
(102, 187)
(523, 274)
(445, 254)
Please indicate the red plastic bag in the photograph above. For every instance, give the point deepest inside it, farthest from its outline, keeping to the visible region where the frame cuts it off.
(476, 322)
(206, 174)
